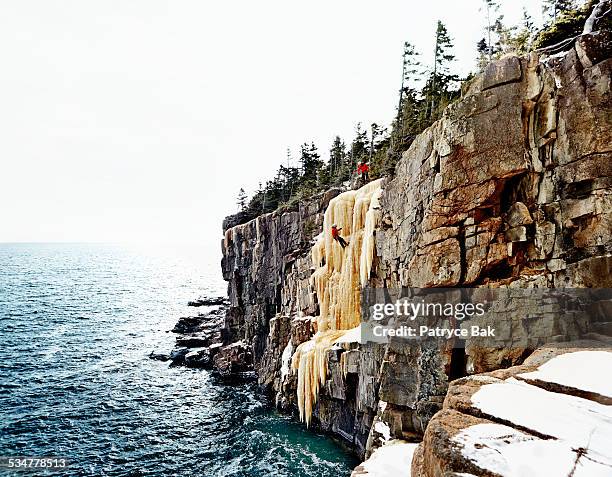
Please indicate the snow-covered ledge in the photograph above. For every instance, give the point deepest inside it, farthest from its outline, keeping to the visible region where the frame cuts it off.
(391, 460)
(550, 416)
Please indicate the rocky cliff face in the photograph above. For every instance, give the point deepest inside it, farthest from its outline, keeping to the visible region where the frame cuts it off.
(511, 188)
(262, 260)
(513, 182)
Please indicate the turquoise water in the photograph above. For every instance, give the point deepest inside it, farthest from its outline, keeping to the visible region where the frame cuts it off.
(78, 323)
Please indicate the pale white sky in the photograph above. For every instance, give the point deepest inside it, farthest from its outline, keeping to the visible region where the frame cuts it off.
(139, 120)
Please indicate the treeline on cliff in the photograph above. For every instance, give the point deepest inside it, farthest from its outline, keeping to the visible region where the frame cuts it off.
(425, 91)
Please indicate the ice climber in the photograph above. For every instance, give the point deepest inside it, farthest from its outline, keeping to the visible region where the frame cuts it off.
(335, 231)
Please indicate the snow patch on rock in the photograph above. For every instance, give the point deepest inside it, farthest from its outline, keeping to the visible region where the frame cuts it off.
(391, 460)
(383, 429)
(579, 422)
(351, 336)
(508, 452)
(580, 370)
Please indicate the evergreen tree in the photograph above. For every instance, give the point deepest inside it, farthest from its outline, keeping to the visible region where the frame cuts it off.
(528, 22)
(324, 178)
(289, 179)
(273, 193)
(377, 137)
(241, 200)
(339, 166)
(379, 150)
(498, 37)
(409, 120)
(310, 164)
(418, 109)
(490, 8)
(504, 35)
(256, 204)
(359, 148)
(521, 42)
(441, 81)
(483, 53)
(552, 8)
(482, 47)
(411, 70)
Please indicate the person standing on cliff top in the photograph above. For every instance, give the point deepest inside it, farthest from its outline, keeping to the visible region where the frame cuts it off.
(363, 171)
(335, 231)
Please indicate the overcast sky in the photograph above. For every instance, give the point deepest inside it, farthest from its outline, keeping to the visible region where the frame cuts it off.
(139, 120)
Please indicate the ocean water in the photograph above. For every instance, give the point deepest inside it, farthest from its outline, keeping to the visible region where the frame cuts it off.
(78, 322)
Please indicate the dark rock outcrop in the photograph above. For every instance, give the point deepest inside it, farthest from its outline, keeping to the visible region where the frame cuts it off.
(209, 301)
(234, 359)
(199, 338)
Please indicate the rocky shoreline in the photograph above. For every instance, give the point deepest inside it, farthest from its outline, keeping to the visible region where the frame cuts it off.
(201, 343)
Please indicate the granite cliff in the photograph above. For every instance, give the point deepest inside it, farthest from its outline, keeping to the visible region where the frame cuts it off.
(512, 188)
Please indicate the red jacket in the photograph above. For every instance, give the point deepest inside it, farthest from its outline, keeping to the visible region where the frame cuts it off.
(334, 232)
(363, 168)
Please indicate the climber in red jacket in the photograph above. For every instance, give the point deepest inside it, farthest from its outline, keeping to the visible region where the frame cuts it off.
(335, 231)
(363, 171)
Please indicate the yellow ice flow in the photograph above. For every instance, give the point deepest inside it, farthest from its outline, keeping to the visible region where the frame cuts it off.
(338, 277)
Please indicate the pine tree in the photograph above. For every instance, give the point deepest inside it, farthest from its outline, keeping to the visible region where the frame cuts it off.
(377, 136)
(339, 167)
(359, 148)
(503, 35)
(490, 8)
(408, 121)
(441, 80)
(498, 39)
(497, 35)
(528, 22)
(256, 204)
(482, 46)
(521, 42)
(380, 148)
(483, 53)
(411, 69)
(552, 8)
(310, 165)
(241, 200)
(289, 179)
